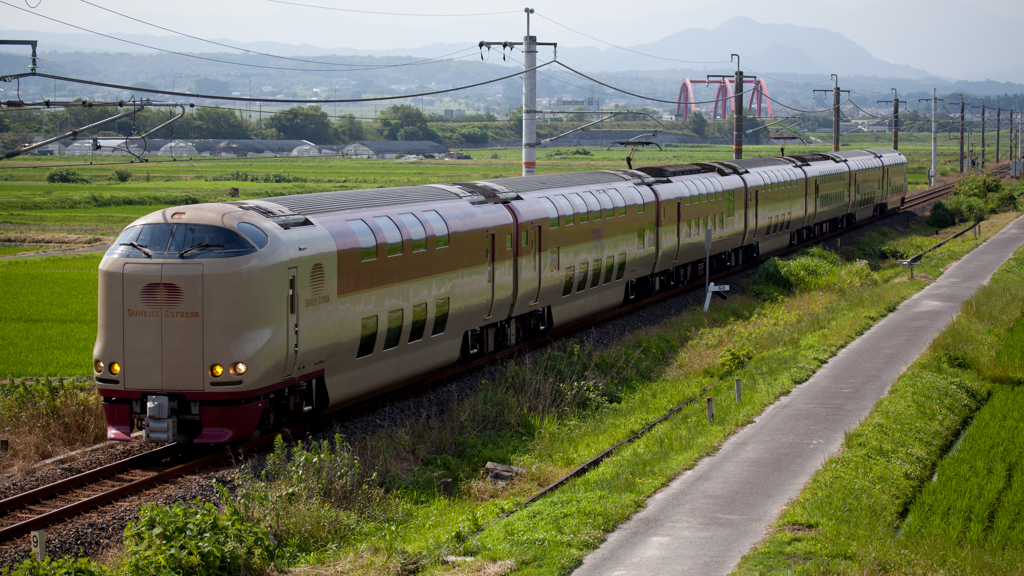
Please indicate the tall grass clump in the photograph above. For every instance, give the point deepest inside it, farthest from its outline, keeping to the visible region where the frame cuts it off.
(309, 496)
(46, 418)
(973, 199)
(812, 269)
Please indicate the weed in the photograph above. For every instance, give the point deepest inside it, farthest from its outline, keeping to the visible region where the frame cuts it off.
(121, 174)
(65, 176)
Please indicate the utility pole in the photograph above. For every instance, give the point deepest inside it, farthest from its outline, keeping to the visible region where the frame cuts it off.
(738, 81)
(836, 92)
(982, 133)
(529, 45)
(999, 117)
(961, 133)
(895, 118)
(935, 145)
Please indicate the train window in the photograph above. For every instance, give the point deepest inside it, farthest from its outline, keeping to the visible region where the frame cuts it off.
(367, 241)
(419, 321)
(553, 259)
(789, 219)
(689, 225)
(391, 234)
(730, 201)
(367, 336)
(394, 334)
(597, 273)
(439, 226)
(721, 220)
(570, 276)
(620, 203)
(552, 212)
(639, 200)
(606, 203)
(416, 231)
(581, 285)
(701, 191)
(719, 190)
(593, 204)
(622, 266)
(440, 316)
(508, 241)
(254, 234)
(609, 266)
(663, 214)
(640, 239)
(580, 206)
(650, 234)
(524, 238)
(566, 208)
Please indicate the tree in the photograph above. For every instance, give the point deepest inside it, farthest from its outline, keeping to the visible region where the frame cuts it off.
(218, 123)
(698, 124)
(349, 129)
(394, 121)
(304, 123)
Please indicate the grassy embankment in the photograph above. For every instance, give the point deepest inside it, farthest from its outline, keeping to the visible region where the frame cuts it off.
(931, 482)
(381, 509)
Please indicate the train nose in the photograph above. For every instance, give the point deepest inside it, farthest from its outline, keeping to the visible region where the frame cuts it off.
(163, 326)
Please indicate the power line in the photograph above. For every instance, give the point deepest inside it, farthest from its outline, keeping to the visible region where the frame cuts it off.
(635, 95)
(269, 100)
(434, 15)
(370, 66)
(357, 66)
(622, 48)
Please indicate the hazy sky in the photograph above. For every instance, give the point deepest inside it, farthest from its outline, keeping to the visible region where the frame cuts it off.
(946, 37)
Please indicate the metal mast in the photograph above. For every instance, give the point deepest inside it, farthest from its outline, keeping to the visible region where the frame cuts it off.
(529, 100)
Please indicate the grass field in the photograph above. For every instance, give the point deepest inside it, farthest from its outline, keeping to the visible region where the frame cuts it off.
(930, 483)
(48, 320)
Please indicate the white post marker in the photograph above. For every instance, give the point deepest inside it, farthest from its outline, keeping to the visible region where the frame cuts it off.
(709, 287)
(719, 291)
(711, 411)
(38, 538)
(739, 392)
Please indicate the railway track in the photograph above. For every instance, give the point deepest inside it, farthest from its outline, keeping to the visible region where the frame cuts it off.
(67, 498)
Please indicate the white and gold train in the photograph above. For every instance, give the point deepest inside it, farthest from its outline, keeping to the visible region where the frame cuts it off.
(219, 321)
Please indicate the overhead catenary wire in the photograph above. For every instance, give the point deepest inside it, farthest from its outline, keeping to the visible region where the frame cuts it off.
(229, 62)
(628, 49)
(641, 96)
(246, 50)
(426, 15)
(263, 100)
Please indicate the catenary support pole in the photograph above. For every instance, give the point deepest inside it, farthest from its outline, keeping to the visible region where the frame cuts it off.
(895, 120)
(529, 100)
(983, 134)
(999, 119)
(935, 142)
(737, 137)
(961, 134)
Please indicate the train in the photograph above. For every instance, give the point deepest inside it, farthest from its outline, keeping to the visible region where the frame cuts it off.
(218, 322)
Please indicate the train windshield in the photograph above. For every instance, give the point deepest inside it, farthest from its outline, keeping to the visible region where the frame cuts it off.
(184, 241)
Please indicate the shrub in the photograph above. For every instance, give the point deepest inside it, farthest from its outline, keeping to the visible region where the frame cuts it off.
(121, 174)
(941, 217)
(65, 176)
(62, 567)
(194, 539)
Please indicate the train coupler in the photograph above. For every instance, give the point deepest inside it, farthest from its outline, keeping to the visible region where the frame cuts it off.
(160, 425)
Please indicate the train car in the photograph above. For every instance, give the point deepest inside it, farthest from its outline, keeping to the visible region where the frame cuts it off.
(220, 321)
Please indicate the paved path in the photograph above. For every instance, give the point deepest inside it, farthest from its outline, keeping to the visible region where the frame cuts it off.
(708, 517)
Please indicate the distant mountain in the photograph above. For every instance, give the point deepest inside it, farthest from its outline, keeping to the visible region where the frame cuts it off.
(763, 47)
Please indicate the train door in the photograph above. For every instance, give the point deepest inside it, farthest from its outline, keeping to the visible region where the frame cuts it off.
(817, 190)
(489, 258)
(292, 325)
(679, 228)
(536, 261)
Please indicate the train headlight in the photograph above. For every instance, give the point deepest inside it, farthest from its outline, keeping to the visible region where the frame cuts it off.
(99, 366)
(216, 370)
(238, 368)
(115, 368)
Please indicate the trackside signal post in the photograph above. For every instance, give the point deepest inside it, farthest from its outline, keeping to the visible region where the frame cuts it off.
(529, 45)
(709, 287)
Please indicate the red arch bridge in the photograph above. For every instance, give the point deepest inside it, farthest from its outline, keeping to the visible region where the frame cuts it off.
(723, 97)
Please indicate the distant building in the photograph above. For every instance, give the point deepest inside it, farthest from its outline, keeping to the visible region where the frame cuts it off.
(389, 150)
